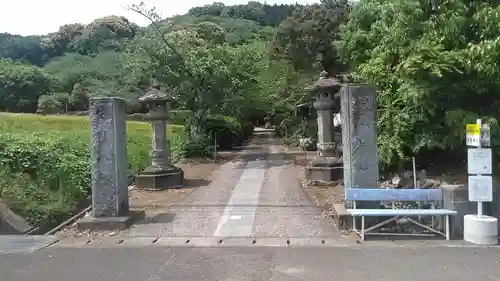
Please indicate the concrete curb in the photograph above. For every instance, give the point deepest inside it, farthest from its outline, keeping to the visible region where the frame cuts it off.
(210, 242)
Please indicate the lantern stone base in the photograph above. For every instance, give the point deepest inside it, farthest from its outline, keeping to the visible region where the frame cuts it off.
(325, 169)
(173, 177)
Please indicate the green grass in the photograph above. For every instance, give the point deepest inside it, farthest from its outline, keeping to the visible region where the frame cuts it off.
(72, 125)
(45, 162)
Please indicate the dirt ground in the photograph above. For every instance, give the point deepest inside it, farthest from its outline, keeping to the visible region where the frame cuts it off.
(196, 174)
(324, 196)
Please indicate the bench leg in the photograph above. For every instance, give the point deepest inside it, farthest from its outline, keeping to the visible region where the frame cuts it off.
(447, 227)
(354, 223)
(362, 228)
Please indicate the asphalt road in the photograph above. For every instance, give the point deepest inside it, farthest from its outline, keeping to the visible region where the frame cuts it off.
(244, 263)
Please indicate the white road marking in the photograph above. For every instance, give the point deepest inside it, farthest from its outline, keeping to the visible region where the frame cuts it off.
(239, 214)
(243, 203)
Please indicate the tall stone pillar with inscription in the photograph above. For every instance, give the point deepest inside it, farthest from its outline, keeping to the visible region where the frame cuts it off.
(110, 205)
(327, 166)
(161, 174)
(359, 125)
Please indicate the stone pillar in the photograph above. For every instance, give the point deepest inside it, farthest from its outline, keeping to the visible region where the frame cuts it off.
(324, 106)
(161, 174)
(159, 153)
(359, 137)
(110, 205)
(327, 166)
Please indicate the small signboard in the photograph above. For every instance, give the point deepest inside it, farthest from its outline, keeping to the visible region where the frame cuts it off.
(480, 188)
(485, 135)
(473, 134)
(479, 161)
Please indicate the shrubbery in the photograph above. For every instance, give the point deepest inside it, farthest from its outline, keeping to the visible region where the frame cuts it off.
(43, 178)
(188, 147)
(247, 128)
(45, 162)
(227, 130)
(179, 117)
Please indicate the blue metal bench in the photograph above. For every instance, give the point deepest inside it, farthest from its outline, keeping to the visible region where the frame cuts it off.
(416, 195)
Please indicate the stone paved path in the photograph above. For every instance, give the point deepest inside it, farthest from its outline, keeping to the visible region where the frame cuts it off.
(257, 195)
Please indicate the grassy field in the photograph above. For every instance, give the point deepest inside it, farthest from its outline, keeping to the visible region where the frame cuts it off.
(45, 162)
(77, 130)
(72, 125)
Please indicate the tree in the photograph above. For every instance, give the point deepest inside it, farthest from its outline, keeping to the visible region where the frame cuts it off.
(25, 49)
(211, 32)
(203, 77)
(168, 57)
(435, 64)
(105, 33)
(82, 77)
(264, 14)
(59, 42)
(307, 38)
(79, 97)
(21, 85)
(52, 103)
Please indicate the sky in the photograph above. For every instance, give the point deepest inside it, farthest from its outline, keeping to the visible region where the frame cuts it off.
(39, 17)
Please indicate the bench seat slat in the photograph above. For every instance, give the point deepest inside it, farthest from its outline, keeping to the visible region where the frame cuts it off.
(380, 194)
(399, 212)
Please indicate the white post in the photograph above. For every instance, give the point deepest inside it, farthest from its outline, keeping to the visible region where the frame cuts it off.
(479, 203)
(416, 185)
(479, 228)
(414, 173)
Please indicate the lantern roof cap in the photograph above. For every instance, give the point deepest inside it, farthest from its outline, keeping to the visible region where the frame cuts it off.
(324, 84)
(154, 95)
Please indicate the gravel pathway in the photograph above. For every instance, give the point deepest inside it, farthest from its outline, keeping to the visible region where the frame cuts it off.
(257, 195)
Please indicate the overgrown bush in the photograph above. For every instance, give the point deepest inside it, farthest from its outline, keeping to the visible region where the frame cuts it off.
(35, 200)
(227, 130)
(187, 147)
(55, 161)
(179, 117)
(51, 154)
(247, 128)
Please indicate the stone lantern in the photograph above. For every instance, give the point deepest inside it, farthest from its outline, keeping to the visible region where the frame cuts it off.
(161, 174)
(328, 165)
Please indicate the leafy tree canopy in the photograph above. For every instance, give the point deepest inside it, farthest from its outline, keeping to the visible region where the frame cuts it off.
(435, 64)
